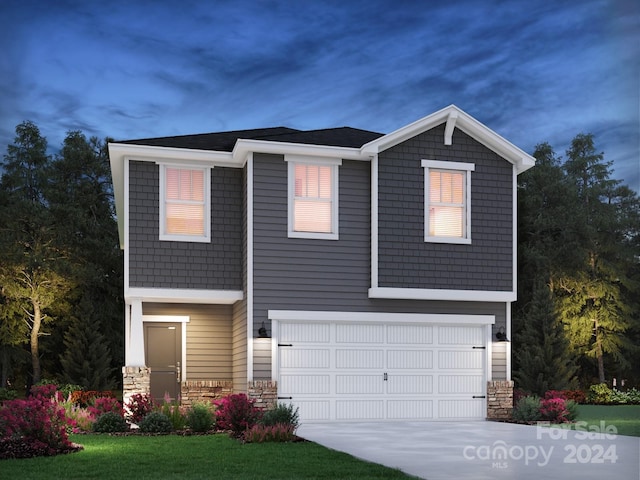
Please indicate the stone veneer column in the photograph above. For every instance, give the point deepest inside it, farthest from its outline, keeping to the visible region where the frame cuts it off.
(135, 380)
(499, 399)
(264, 392)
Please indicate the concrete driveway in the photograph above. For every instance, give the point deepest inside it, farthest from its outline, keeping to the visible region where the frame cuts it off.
(485, 450)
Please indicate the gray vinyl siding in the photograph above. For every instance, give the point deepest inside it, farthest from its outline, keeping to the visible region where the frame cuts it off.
(168, 264)
(405, 259)
(324, 275)
(209, 338)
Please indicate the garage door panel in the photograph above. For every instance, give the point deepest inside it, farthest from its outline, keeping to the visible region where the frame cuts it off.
(410, 409)
(305, 358)
(463, 408)
(305, 384)
(359, 409)
(455, 335)
(359, 384)
(305, 332)
(457, 360)
(410, 334)
(314, 410)
(410, 384)
(471, 384)
(369, 372)
(359, 333)
(360, 358)
(410, 359)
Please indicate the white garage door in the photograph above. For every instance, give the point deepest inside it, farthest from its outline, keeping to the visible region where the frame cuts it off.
(356, 371)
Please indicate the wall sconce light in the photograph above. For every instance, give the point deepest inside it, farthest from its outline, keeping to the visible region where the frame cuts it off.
(262, 332)
(501, 335)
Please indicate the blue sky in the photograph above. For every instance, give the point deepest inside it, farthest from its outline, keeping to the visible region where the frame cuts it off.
(533, 71)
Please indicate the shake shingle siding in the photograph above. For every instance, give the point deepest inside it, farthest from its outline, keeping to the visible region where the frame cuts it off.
(325, 275)
(405, 259)
(167, 264)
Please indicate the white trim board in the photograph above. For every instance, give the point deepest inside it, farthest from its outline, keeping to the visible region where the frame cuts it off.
(183, 295)
(442, 294)
(378, 317)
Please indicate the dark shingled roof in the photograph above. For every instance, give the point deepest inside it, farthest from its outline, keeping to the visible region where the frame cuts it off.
(225, 141)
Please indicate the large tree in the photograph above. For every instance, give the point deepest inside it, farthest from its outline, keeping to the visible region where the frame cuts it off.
(81, 200)
(32, 276)
(591, 300)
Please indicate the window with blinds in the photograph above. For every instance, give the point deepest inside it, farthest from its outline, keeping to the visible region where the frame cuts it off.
(184, 204)
(447, 190)
(313, 199)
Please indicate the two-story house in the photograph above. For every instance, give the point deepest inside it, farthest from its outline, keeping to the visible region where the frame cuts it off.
(357, 275)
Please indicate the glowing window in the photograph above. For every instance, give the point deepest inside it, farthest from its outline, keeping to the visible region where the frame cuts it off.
(313, 198)
(184, 204)
(447, 191)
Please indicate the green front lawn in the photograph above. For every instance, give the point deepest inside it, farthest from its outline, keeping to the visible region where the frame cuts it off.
(194, 457)
(626, 418)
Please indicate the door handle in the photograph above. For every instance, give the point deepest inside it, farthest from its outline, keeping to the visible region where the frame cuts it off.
(178, 372)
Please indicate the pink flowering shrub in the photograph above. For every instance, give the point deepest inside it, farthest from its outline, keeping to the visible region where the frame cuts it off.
(34, 426)
(237, 413)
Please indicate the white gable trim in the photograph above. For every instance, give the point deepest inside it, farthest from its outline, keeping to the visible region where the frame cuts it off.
(454, 117)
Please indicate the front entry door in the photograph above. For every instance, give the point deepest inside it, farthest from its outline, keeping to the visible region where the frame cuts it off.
(163, 352)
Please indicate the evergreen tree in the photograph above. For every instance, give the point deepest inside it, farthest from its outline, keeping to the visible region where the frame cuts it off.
(81, 201)
(87, 359)
(592, 300)
(543, 359)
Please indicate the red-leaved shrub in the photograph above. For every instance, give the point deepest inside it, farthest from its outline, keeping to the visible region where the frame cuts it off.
(280, 432)
(34, 426)
(554, 410)
(105, 404)
(237, 413)
(139, 406)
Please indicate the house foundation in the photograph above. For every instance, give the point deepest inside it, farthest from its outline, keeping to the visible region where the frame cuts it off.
(204, 390)
(264, 392)
(499, 400)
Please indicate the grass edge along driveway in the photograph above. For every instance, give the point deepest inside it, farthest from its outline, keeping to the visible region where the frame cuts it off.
(626, 418)
(191, 457)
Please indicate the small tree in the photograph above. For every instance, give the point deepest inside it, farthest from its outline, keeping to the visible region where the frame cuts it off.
(542, 357)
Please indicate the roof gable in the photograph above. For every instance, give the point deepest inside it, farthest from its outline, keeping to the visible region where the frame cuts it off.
(454, 118)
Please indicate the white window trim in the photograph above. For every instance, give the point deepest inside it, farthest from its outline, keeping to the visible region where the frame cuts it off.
(292, 160)
(206, 238)
(458, 166)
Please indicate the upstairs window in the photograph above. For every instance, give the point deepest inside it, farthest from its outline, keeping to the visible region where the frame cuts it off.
(184, 203)
(447, 201)
(313, 197)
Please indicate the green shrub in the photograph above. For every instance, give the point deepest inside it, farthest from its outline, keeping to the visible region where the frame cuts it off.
(110, 422)
(285, 414)
(155, 422)
(175, 415)
(7, 394)
(572, 409)
(200, 417)
(527, 409)
(631, 397)
(599, 394)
